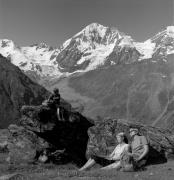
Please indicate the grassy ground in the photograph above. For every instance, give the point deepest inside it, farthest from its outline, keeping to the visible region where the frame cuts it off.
(70, 171)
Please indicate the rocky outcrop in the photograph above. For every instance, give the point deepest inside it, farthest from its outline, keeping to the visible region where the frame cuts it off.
(64, 139)
(23, 145)
(38, 127)
(16, 90)
(102, 139)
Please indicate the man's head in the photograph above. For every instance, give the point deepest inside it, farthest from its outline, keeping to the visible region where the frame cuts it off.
(56, 91)
(133, 132)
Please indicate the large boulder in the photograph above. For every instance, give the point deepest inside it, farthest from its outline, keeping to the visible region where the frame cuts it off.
(23, 145)
(102, 139)
(67, 133)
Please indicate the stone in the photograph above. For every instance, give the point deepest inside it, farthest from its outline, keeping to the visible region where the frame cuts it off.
(102, 138)
(13, 177)
(23, 145)
(69, 132)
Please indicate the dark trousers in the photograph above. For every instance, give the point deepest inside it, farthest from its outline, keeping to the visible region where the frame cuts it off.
(102, 160)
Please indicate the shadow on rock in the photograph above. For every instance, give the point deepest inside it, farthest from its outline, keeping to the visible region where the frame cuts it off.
(65, 138)
(102, 139)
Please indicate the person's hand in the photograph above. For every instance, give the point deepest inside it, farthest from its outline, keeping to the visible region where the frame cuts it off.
(137, 160)
(109, 157)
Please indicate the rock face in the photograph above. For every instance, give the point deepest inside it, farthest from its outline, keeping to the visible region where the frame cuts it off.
(73, 138)
(102, 139)
(23, 144)
(93, 47)
(41, 129)
(38, 128)
(16, 89)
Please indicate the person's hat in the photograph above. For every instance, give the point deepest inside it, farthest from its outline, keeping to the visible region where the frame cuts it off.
(56, 90)
(122, 134)
(133, 129)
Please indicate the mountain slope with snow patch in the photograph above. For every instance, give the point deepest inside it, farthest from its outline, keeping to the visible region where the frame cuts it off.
(94, 46)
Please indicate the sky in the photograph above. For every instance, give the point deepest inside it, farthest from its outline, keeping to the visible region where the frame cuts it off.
(28, 22)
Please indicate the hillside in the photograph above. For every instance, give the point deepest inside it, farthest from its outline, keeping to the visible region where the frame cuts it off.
(140, 91)
(105, 72)
(16, 89)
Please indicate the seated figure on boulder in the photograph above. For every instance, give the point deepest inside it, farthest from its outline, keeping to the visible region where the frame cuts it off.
(139, 149)
(54, 102)
(113, 160)
(55, 97)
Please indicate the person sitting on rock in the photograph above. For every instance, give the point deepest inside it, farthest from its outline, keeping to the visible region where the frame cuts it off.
(54, 100)
(139, 148)
(113, 160)
(55, 97)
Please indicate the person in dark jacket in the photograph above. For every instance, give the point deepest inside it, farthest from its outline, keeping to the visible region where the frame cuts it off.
(54, 101)
(55, 97)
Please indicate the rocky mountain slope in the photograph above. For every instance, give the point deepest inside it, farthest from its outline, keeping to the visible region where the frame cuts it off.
(140, 91)
(38, 58)
(16, 89)
(116, 75)
(93, 47)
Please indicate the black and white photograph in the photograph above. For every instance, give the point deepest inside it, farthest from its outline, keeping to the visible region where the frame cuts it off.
(86, 89)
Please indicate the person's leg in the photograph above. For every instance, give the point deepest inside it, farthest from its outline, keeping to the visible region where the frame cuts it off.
(58, 113)
(140, 164)
(88, 164)
(115, 165)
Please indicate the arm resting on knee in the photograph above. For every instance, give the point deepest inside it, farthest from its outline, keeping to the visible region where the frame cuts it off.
(146, 150)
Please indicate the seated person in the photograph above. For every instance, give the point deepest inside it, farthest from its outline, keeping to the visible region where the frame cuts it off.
(114, 158)
(54, 102)
(139, 148)
(55, 97)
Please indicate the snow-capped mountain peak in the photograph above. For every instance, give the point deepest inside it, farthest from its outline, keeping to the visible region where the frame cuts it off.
(126, 41)
(92, 47)
(13, 53)
(43, 45)
(38, 57)
(161, 44)
(93, 29)
(6, 46)
(170, 31)
(97, 33)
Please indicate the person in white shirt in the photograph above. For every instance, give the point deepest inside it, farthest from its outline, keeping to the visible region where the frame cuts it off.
(113, 159)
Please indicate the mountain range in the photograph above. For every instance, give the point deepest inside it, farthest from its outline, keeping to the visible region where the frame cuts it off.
(106, 72)
(93, 47)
